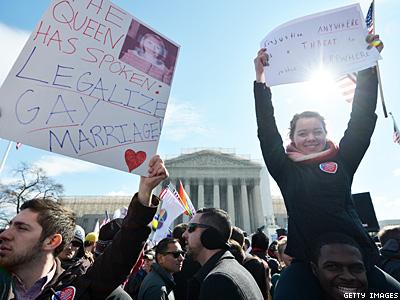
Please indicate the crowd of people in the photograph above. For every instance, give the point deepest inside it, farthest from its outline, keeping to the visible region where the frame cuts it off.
(325, 254)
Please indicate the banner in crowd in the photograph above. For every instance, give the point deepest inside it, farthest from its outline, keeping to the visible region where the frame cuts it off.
(92, 82)
(333, 40)
(171, 208)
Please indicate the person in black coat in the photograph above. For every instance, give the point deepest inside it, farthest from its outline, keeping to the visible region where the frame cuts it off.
(315, 176)
(389, 237)
(220, 276)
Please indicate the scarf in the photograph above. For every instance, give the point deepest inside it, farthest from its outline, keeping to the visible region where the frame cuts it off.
(294, 154)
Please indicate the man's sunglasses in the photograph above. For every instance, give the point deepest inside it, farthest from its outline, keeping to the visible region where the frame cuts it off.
(75, 244)
(176, 254)
(192, 226)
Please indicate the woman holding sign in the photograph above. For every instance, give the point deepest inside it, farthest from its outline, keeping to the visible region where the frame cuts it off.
(315, 176)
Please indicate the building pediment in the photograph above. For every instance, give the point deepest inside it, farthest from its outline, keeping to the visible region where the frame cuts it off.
(210, 159)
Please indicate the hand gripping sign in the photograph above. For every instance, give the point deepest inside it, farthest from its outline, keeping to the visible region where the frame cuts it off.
(92, 82)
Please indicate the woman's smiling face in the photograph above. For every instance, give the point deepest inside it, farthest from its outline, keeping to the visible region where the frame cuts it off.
(309, 135)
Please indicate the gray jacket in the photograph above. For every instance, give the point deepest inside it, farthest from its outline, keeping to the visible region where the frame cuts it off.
(157, 284)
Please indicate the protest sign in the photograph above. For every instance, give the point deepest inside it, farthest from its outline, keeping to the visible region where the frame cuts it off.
(92, 83)
(333, 40)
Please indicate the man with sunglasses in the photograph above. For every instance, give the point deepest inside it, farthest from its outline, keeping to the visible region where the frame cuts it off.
(220, 276)
(158, 284)
(73, 255)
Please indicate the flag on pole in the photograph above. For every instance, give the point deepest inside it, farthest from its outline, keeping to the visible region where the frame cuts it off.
(369, 19)
(347, 83)
(97, 226)
(105, 220)
(396, 132)
(18, 145)
(187, 203)
(171, 208)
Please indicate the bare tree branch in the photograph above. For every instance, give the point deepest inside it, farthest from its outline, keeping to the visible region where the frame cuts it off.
(31, 182)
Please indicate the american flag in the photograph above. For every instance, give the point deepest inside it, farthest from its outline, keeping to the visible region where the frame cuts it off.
(369, 19)
(347, 83)
(18, 145)
(396, 132)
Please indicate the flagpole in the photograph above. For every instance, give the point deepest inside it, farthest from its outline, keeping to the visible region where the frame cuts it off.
(377, 68)
(3, 162)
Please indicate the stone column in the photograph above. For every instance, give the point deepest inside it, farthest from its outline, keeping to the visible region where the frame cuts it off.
(200, 194)
(230, 201)
(245, 207)
(258, 212)
(216, 194)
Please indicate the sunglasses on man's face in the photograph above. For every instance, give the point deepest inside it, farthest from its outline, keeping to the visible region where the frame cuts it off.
(176, 254)
(192, 226)
(75, 244)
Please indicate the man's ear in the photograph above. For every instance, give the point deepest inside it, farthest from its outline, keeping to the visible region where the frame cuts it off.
(314, 268)
(52, 242)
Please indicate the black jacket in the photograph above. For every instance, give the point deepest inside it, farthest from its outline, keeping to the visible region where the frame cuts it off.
(222, 277)
(317, 201)
(157, 285)
(113, 266)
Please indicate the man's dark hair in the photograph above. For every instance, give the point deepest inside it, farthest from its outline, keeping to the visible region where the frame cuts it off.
(237, 251)
(237, 235)
(178, 231)
(218, 219)
(389, 232)
(54, 218)
(162, 246)
(329, 239)
(260, 240)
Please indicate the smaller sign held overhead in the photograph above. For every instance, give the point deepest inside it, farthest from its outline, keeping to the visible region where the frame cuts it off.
(333, 40)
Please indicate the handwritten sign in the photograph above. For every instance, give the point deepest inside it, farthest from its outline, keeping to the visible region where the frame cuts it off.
(333, 40)
(92, 82)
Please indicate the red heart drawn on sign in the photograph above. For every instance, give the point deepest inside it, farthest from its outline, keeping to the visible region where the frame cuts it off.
(134, 159)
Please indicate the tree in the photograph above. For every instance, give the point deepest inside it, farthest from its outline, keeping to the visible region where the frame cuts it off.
(31, 182)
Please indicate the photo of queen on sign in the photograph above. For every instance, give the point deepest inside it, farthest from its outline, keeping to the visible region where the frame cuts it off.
(147, 51)
(76, 90)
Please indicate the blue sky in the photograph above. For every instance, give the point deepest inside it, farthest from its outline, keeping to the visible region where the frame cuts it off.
(211, 102)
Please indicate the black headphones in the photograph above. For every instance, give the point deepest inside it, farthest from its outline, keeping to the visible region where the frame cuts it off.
(211, 239)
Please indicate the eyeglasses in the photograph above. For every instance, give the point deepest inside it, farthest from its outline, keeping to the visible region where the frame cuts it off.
(176, 254)
(192, 226)
(75, 244)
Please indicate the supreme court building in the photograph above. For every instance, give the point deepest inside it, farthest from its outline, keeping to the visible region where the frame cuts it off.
(220, 178)
(211, 178)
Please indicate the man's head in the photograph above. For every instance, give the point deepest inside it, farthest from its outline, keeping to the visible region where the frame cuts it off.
(389, 237)
(338, 264)
(148, 260)
(75, 249)
(259, 241)
(177, 233)
(209, 229)
(169, 255)
(42, 227)
(90, 241)
(237, 235)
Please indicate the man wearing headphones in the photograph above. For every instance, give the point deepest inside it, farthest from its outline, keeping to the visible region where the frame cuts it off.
(220, 276)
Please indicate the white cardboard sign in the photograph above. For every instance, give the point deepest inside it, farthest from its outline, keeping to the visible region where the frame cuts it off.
(333, 40)
(92, 83)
